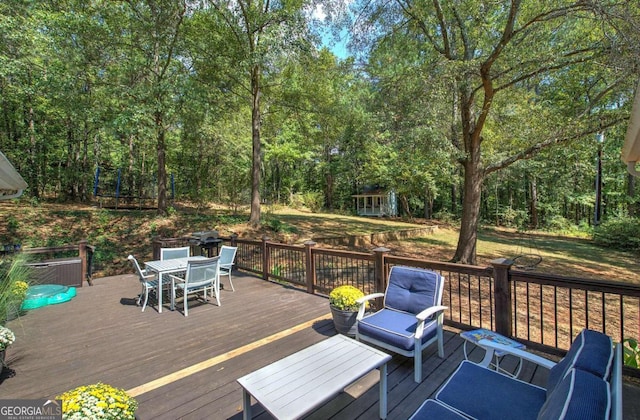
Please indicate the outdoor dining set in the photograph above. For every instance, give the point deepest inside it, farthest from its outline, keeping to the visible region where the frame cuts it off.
(178, 271)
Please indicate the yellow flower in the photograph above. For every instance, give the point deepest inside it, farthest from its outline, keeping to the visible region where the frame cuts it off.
(98, 401)
(345, 297)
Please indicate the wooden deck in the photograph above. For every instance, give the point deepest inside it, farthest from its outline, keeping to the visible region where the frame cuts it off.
(186, 367)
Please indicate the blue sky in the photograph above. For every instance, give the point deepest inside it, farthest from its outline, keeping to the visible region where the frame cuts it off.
(338, 48)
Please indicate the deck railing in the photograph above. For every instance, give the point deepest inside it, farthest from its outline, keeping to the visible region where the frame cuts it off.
(545, 311)
(68, 265)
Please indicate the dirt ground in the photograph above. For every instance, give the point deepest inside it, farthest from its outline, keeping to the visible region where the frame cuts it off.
(116, 233)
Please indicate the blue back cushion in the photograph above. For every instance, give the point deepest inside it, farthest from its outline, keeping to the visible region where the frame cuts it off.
(412, 289)
(591, 351)
(579, 396)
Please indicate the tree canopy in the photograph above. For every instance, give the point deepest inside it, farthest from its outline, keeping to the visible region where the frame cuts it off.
(482, 111)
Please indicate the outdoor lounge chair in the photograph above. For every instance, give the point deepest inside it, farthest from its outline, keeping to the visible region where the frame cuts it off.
(585, 384)
(411, 318)
(227, 256)
(201, 275)
(170, 253)
(148, 281)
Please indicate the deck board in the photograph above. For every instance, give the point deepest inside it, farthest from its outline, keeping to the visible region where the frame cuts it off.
(101, 335)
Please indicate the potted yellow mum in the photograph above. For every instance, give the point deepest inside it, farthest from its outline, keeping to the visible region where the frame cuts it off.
(344, 308)
(98, 401)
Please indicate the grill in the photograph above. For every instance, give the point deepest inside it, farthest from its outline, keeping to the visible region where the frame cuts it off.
(206, 241)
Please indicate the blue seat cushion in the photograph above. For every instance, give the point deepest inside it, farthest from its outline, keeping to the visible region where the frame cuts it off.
(412, 289)
(395, 328)
(485, 394)
(579, 396)
(432, 410)
(591, 351)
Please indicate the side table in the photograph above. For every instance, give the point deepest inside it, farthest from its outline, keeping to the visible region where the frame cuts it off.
(475, 336)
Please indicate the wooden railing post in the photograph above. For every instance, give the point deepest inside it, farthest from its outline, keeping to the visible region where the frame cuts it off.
(234, 239)
(310, 266)
(380, 275)
(82, 253)
(156, 244)
(265, 258)
(502, 298)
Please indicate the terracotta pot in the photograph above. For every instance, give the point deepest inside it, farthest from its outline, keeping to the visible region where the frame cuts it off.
(344, 321)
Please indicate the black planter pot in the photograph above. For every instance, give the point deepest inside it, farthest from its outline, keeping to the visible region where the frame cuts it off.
(344, 321)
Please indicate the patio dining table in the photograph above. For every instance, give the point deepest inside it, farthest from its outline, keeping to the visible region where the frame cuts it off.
(171, 266)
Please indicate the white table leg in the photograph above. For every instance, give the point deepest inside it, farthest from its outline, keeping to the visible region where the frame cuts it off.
(246, 405)
(383, 391)
(159, 292)
(488, 358)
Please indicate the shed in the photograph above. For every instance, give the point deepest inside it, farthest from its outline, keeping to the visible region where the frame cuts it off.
(376, 203)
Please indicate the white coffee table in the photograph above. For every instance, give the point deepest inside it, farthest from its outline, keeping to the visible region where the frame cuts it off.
(297, 384)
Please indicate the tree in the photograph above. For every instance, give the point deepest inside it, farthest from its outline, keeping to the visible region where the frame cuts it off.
(255, 32)
(550, 53)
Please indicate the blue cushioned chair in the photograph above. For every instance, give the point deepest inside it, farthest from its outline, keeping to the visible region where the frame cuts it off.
(585, 384)
(411, 318)
(435, 410)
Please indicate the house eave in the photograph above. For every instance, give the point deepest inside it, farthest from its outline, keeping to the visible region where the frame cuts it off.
(12, 184)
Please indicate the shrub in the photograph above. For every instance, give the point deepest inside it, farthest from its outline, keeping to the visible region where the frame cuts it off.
(557, 223)
(311, 200)
(14, 282)
(620, 233)
(631, 352)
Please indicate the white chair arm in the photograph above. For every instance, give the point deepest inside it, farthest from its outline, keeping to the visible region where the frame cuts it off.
(492, 346)
(176, 279)
(148, 276)
(362, 302)
(422, 316)
(369, 297)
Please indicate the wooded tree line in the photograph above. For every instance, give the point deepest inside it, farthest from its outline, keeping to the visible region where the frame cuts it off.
(471, 109)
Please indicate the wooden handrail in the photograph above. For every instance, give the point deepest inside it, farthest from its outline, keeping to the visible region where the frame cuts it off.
(487, 297)
(85, 255)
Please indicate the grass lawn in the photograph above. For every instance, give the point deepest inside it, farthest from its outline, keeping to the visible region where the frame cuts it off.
(116, 233)
(560, 255)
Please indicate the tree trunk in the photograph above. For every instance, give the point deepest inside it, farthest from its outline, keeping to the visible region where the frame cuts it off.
(473, 178)
(254, 218)
(534, 203)
(632, 207)
(428, 204)
(33, 181)
(466, 250)
(162, 169)
(130, 181)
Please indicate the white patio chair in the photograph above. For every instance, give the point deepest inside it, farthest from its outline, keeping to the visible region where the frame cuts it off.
(148, 281)
(171, 253)
(227, 257)
(411, 318)
(201, 275)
